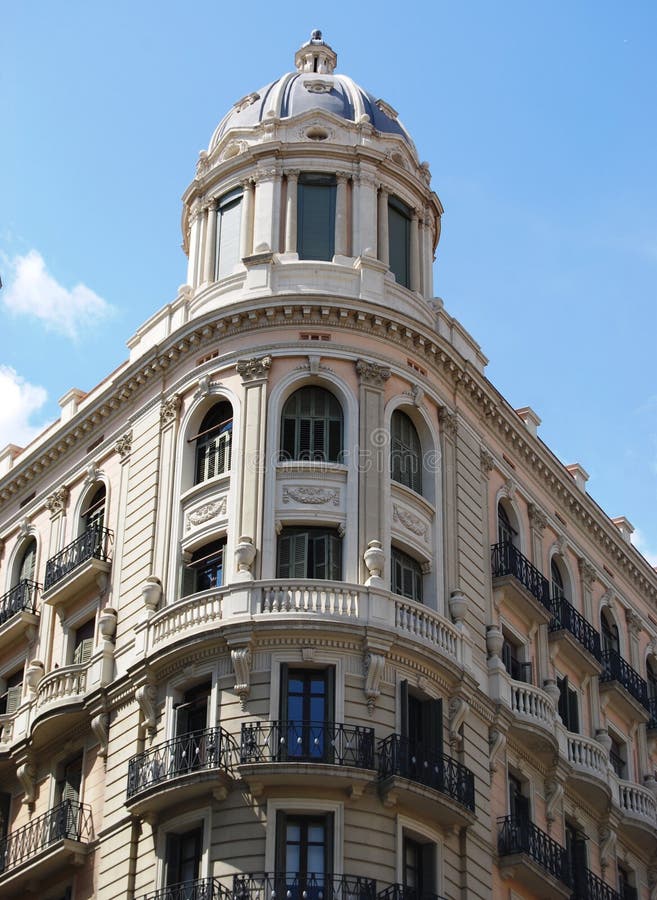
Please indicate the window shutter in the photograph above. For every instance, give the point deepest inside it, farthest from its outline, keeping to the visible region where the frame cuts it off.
(284, 552)
(562, 707)
(305, 439)
(173, 859)
(432, 712)
(328, 844)
(14, 698)
(83, 651)
(72, 780)
(428, 870)
(335, 557)
(403, 706)
(281, 841)
(28, 562)
(228, 239)
(288, 439)
(316, 221)
(573, 711)
(299, 556)
(320, 556)
(330, 696)
(318, 448)
(398, 236)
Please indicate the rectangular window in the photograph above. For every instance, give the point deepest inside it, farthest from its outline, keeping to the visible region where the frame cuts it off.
(183, 856)
(518, 802)
(10, 698)
(316, 216)
(617, 757)
(192, 713)
(419, 865)
(568, 705)
(576, 858)
(310, 553)
(399, 235)
(229, 219)
(306, 709)
(406, 576)
(517, 669)
(304, 855)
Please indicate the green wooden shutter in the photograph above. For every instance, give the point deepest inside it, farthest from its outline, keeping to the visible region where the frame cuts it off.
(335, 557)
(399, 244)
(432, 713)
(72, 780)
(316, 221)
(403, 706)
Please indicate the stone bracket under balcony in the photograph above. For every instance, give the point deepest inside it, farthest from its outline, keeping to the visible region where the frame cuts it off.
(509, 593)
(589, 770)
(260, 777)
(639, 820)
(521, 868)
(92, 573)
(397, 792)
(23, 625)
(82, 565)
(44, 865)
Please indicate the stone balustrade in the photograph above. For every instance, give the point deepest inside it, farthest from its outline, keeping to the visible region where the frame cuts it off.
(327, 599)
(426, 625)
(532, 704)
(637, 802)
(189, 615)
(587, 755)
(62, 685)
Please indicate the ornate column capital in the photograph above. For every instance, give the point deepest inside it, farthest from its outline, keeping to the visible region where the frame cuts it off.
(169, 410)
(343, 177)
(537, 518)
(372, 373)
(586, 571)
(256, 367)
(292, 174)
(57, 501)
(124, 445)
(448, 422)
(634, 623)
(486, 460)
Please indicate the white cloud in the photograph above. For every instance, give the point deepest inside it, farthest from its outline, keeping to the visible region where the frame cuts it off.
(34, 292)
(20, 400)
(642, 546)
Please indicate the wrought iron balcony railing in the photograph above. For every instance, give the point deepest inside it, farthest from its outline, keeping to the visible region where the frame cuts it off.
(517, 835)
(21, 598)
(508, 560)
(616, 669)
(193, 752)
(565, 616)
(93, 544)
(403, 892)
(587, 886)
(69, 819)
(319, 742)
(297, 886)
(201, 889)
(652, 709)
(399, 756)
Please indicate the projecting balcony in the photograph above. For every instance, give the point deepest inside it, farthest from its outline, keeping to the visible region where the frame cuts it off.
(639, 808)
(267, 886)
(519, 584)
(18, 613)
(313, 754)
(587, 886)
(77, 566)
(578, 640)
(534, 718)
(530, 856)
(45, 847)
(425, 781)
(186, 767)
(402, 892)
(201, 889)
(589, 772)
(625, 687)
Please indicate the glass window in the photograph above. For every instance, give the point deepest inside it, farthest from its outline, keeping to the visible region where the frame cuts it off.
(568, 705)
(192, 713)
(229, 218)
(609, 629)
(618, 757)
(304, 854)
(93, 516)
(557, 581)
(183, 856)
(419, 868)
(310, 553)
(406, 576)
(205, 570)
(316, 216)
(405, 452)
(213, 443)
(311, 427)
(506, 534)
(28, 562)
(399, 236)
(306, 709)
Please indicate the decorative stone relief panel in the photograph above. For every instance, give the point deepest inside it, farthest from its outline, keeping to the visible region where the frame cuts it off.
(200, 511)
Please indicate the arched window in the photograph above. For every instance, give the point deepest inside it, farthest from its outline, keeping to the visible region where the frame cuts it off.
(311, 426)
(310, 553)
(558, 590)
(506, 533)
(609, 631)
(405, 452)
(406, 576)
(27, 566)
(316, 216)
(205, 570)
(213, 442)
(93, 515)
(399, 238)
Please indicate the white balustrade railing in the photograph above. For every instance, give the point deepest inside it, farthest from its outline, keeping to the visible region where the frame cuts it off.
(62, 685)
(587, 755)
(532, 703)
(329, 599)
(197, 612)
(637, 801)
(419, 622)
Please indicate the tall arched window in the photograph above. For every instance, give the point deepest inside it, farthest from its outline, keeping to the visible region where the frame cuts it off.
(609, 631)
(93, 515)
(506, 533)
(399, 238)
(27, 566)
(405, 452)
(558, 590)
(213, 442)
(311, 426)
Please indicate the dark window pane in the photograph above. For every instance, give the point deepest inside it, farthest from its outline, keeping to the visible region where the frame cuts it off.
(316, 219)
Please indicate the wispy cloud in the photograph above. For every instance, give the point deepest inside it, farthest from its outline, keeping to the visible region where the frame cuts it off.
(34, 292)
(643, 547)
(20, 401)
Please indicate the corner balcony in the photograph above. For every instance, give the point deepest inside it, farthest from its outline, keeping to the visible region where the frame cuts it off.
(18, 613)
(311, 754)
(639, 808)
(625, 688)
(77, 566)
(577, 639)
(532, 858)
(185, 768)
(519, 585)
(201, 889)
(427, 782)
(292, 886)
(45, 848)
(589, 773)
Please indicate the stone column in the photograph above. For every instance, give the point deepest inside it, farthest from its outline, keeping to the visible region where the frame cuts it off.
(267, 210)
(448, 433)
(372, 464)
(633, 630)
(341, 216)
(291, 212)
(246, 222)
(487, 464)
(210, 242)
(365, 205)
(415, 253)
(383, 240)
(427, 239)
(537, 523)
(586, 579)
(194, 243)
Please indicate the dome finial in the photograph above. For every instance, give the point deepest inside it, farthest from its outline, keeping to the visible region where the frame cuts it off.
(316, 55)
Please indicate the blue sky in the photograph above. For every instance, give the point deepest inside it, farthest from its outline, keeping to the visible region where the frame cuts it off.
(538, 120)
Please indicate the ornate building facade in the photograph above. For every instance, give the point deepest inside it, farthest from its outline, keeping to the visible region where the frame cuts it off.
(294, 603)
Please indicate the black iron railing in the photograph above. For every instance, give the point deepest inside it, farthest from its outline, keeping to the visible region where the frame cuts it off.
(70, 820)
(517, 835)
(21, 598)
(565, 616)
(399, 756)
(508, 560)
(193, 752)
(93, 544)
(627, 892)
(616, 669)
(319, 742)
(652, 709)
(403, 892)
(201, 889)
(588, 886)
(295, 886)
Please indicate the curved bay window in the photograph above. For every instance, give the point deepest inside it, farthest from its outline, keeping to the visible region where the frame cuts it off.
(316, 216)
(311, 426)
(406, 576)
(405, 452)
(399, 236)
(213, 443)
(310, 553)
(205, 569)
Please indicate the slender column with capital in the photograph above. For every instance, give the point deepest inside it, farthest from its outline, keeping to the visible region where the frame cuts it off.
(194, 242)
(267, 210)
(427, 286)
(341, 215)
(364, 237)
(210, 242)
(246, 223)
(291, 213)
(383, 241)
(415, 253)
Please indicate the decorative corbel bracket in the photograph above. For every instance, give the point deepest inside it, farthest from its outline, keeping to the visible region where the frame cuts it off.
(374, 664)
(26, 774)
(554, 790)
(497, 744)
(146, 695)
(100, 728)
(458, 711)
(607, 836)
(241, 659)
